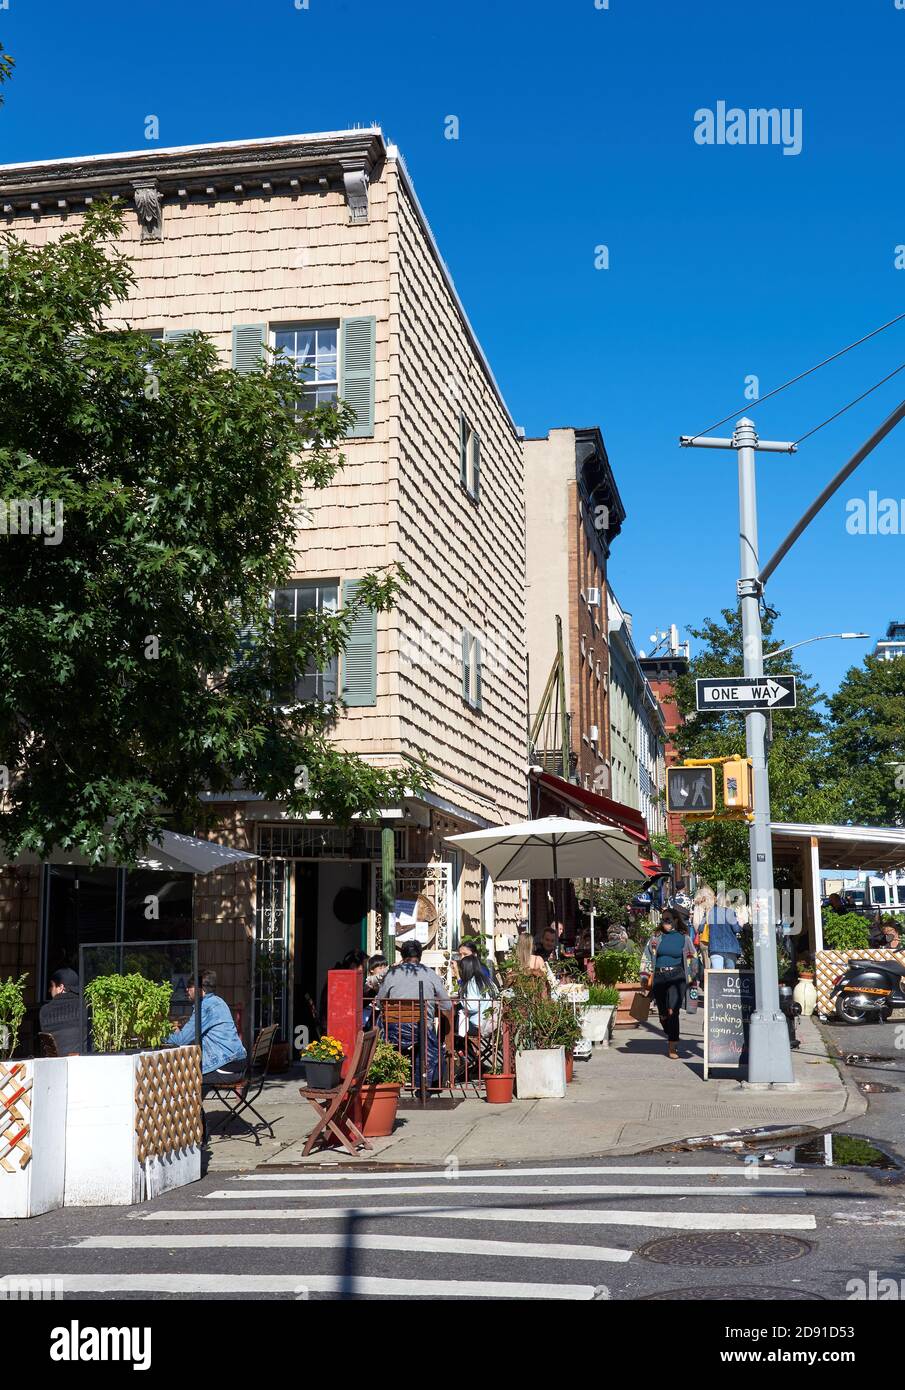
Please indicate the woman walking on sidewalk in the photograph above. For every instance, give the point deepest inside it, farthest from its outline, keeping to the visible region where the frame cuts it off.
(669, 964)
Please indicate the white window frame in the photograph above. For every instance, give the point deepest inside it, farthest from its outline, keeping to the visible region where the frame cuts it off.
(319, 586)
(470, 443)
(310, 383)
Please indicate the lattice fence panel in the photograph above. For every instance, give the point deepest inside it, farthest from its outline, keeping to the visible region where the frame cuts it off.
(168, 1102)
(832, 963)
(15, 1116)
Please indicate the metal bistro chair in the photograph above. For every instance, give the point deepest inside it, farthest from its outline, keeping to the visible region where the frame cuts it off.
(239, 1094)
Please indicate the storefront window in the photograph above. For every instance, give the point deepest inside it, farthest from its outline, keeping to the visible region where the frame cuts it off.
(87, 906)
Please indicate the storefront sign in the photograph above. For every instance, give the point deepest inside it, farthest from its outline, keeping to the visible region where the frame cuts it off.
(728, 1005)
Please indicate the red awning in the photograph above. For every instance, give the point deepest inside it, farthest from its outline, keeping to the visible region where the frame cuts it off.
(592, 805)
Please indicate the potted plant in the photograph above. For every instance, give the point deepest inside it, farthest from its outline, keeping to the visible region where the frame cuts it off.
(12, 1012)
(541, 1029)
(323, 1060)
(498, 1084)
(128, 1012)
(388, 1073)
(133, 1108)
(597, 1015)
(621, 968)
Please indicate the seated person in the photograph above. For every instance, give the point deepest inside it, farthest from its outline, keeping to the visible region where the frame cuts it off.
(62, 1014)
(402, 981)
(377, 968)
(222, 1053)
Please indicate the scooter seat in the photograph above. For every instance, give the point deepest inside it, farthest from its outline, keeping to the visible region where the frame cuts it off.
(889, 967)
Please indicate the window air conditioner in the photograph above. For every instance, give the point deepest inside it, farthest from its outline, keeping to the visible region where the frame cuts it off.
(593, 598)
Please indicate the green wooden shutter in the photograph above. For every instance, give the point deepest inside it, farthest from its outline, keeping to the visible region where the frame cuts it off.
(173, 335)
(477, 673)
(359, 685)
(476, 455)
(248, 346)
(466, 665)
(356, 383)
(463, 451)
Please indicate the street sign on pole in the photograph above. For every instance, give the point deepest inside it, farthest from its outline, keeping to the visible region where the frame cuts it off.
(744, 693)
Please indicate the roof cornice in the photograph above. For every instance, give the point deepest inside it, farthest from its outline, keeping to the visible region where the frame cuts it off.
(231, 166)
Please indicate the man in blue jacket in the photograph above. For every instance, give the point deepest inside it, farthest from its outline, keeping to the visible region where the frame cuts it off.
(221, 1046)
(723, 938)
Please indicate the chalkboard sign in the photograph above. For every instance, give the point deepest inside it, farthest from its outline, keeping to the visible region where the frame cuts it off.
(728, 1005)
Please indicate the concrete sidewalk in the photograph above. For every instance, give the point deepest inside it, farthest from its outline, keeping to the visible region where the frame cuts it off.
(625, 1099)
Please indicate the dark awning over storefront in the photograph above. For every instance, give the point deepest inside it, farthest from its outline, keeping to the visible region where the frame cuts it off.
(548, 791)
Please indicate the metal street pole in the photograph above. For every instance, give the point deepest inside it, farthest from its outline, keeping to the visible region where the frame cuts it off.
(769, 1054)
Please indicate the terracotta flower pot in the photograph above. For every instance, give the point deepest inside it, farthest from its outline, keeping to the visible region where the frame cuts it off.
(627, 993)
(499, 1088)
(378, 1109)
(570, 1067)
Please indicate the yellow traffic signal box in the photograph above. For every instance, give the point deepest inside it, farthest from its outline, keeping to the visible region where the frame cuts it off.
(737, 784)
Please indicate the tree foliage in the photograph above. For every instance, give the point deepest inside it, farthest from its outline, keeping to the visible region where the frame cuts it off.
(867, 741)
(139, 655)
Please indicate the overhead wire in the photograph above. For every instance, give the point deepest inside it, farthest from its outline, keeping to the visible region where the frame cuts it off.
(801, 376)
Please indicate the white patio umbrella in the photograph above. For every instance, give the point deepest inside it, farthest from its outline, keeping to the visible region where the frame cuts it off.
(553, 847)
(176, 853)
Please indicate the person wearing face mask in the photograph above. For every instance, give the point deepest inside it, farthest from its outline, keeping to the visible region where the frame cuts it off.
(668, 964)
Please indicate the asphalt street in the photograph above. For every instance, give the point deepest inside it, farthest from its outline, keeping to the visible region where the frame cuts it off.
(877, 1061)
(699, 1226)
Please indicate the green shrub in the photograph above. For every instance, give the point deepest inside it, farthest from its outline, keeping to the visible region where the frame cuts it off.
(388, 1067)
(845, 931)
(617, 967)
(603, 994)
(128, 1011)
(12, 1012)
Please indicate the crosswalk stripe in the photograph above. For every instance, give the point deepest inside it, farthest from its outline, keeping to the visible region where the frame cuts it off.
(429, 1245)
(300, 1284)
(750, 1189)
(668, 1220)
(725, 1170)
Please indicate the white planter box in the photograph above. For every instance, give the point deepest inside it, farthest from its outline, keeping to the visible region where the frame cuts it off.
(40, 1117)
(540, 1074)
(597, 1023)
(116, 1154)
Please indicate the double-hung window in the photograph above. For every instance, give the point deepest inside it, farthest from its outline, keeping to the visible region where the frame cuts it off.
(471, 669)
(469, 458)
(292, 605)
(312, 348)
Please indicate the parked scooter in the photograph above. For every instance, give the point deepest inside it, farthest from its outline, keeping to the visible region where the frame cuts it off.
(868, 991)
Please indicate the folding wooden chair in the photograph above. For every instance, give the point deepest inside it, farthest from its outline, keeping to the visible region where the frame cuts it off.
(48, 1045)
(239, 1093)
(337, 1108)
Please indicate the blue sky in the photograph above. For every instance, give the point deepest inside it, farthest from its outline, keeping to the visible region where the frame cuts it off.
(576, 130)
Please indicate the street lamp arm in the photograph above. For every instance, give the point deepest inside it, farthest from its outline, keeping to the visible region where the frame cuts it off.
(825, 638)
(832, 486)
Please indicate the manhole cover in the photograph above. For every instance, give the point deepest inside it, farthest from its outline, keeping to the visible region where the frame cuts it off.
(717, 1248)
(753, 1293)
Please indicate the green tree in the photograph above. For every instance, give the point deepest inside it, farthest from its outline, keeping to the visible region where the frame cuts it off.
(802, 787)
(7, 63)
(138, 654)
(867, 741)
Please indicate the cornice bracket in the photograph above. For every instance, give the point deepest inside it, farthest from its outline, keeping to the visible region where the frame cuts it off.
(149, 206)
(355, 182)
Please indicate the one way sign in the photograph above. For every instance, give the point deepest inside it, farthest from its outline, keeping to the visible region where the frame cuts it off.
(747, 692)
